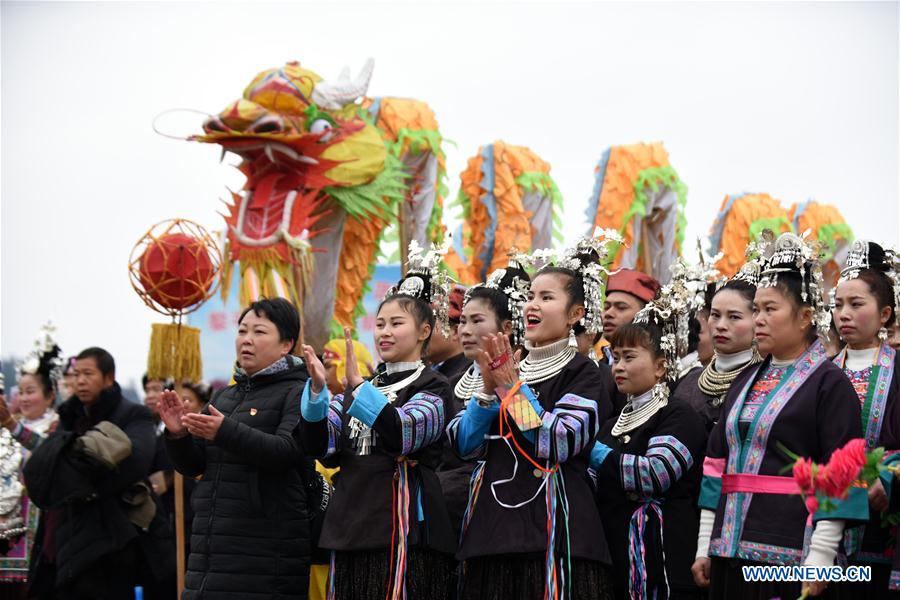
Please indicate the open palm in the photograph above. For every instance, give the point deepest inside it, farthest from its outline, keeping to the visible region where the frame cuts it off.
(317, 371)
(171, 409)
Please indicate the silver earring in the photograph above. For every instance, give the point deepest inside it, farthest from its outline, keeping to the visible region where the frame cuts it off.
(572, 341)
(754, 345)
(883, 334)
(660, 392)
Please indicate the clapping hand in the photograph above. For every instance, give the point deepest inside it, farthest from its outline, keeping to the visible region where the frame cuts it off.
(316, 369)
(171, 410)
(204, 426)
(178, 422)
(499, 366)
(354, 379)
(504, 365)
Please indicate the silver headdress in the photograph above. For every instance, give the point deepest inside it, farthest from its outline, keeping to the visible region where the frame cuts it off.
(755, 262)
(672, 311)
(43, 361)
(697, 277)
(588, 258)
(45, 358)
(864, 254)
(513, 282)
(426, 280)
(790, 253)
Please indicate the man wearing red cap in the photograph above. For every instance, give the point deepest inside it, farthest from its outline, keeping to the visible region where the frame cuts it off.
(446, 354)
(627, 292)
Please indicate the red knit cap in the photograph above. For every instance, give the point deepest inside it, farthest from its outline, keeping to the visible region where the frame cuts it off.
(638, 284)
(457, 295)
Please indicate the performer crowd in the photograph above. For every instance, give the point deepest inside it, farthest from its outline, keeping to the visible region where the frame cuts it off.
(560, 430)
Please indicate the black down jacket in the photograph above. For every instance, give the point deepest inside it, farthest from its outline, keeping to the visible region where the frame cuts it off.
(250, 533)
(81, 497)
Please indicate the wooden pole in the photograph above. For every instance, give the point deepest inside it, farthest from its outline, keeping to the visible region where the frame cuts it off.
(645, 248)
(179, 530)
(404, 237)
(179, 517)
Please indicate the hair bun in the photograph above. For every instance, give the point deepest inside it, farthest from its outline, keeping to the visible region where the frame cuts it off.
(45, 359)
(865, 254)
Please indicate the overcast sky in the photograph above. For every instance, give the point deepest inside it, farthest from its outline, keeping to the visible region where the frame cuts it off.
(797, 100)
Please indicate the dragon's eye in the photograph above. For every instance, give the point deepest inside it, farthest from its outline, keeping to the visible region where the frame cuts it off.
(214, 124)
(267, 124)
(322, 126)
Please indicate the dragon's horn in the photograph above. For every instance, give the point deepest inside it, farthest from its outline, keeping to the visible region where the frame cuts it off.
(334, 95)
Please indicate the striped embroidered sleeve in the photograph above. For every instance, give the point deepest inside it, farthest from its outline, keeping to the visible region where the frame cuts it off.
(28, 438)
(401, 430)
(566, 430)
(665, 462)
(320, 422)
(467, 429)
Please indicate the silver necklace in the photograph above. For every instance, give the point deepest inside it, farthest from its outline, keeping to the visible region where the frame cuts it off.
(470, 383)
(630, 419)
(548, 363)
(362, 434)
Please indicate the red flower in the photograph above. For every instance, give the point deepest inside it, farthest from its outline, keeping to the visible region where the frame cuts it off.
(843, 468)
(803, 474)
(826, 483)
(812, 503)
(854, 452)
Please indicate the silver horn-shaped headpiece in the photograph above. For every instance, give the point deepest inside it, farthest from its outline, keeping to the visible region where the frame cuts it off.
(333, 95)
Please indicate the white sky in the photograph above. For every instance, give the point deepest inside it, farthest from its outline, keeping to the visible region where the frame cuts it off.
(798, 100)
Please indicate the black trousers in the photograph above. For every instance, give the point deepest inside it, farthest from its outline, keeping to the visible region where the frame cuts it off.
(112, 577)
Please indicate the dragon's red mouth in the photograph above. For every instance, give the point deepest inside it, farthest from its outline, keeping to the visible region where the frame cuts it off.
(293, 169)
(300, 157)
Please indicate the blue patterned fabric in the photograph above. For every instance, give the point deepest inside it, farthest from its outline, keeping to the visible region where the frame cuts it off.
(664, 463)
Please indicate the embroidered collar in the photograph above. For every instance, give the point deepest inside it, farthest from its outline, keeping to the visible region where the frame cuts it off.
(545, 362)
(548, 351)
(400, 367)
(723, 363)
(858, 360)
(780, 364)
(637, 402)
(42, 423)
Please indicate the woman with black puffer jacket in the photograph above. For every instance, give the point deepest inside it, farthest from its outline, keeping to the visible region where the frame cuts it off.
(250, 537)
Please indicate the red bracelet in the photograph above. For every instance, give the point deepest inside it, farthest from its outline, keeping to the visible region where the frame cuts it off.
(499, 361)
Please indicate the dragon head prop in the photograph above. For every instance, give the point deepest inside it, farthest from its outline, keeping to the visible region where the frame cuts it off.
(290, 124)
(325, 177)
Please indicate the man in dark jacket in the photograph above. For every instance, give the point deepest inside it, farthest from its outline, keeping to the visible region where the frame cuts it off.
(87, 478)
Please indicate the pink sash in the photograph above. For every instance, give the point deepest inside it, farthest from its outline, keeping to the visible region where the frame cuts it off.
(758, 484)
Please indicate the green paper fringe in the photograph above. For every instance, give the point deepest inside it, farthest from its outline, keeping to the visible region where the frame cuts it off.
(378, 196)
(774, 224)
(650, 180)
(542, 182)
(830, 233)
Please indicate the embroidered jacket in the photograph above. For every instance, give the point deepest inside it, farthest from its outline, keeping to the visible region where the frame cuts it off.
(811, 409)
(645, 476)
(407, 448)
(570, 418)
